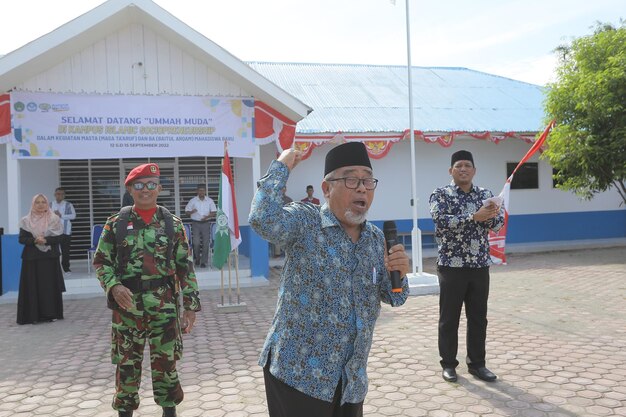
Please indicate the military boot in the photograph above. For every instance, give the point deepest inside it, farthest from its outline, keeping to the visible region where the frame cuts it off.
(122, 413)
(169, 411)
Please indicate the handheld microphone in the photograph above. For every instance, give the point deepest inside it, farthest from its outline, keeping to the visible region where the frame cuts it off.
(391, 236)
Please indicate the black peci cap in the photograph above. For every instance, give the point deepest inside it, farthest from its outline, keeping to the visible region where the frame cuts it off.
(461, 156)
(347, 154)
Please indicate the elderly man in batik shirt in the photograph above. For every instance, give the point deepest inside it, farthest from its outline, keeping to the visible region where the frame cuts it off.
(334, 279)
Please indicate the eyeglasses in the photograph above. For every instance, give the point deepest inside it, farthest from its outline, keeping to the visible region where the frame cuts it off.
(353, 182)
(149, 185)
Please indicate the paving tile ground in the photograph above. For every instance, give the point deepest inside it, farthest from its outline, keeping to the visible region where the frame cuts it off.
(556, 339)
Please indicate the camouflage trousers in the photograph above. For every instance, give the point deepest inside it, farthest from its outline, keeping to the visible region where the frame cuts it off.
(153, 319)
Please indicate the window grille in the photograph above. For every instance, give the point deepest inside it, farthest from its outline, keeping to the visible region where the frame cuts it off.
(95, 188)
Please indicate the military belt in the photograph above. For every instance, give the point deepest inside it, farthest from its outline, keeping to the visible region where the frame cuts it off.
(141, 285)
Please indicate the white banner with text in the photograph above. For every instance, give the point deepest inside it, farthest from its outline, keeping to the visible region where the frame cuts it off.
(72, 126)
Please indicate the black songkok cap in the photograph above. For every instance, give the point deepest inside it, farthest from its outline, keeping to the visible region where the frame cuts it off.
(345, 155)
(461, 156)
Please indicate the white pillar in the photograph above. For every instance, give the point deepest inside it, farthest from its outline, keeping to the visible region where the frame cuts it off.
(13, 189)
(420, 282)
(256, 168)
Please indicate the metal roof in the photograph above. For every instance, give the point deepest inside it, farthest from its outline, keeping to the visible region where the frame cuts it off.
(374, 98)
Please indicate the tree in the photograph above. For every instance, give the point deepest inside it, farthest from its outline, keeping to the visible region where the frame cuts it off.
(587, 147)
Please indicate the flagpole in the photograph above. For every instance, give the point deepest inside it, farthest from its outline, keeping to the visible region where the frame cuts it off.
(230, 297)
(236, 251)
(419, 282)
(222, 285)
(416, 241)
(227, 236)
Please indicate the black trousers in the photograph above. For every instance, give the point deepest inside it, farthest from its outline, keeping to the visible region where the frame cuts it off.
(66, 240)
(458, 286)
(286, 401)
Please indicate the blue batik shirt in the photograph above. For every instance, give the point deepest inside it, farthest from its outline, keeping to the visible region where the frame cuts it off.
(462, 241)
(329, 295)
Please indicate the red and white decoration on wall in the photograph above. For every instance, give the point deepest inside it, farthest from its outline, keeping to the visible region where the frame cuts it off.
(379, 144)
(272, 126)
(5, 117)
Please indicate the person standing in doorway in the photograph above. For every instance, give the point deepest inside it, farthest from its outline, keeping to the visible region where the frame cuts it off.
(463, 216)
(202, 210)
(309, 196)
(143, 263)
(65, 210)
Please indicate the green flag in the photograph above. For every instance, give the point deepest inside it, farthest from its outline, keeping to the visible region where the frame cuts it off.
(227, 236)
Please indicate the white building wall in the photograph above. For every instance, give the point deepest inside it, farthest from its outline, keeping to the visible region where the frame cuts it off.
(392, 198)
(37, 176)
(133, 60)
(244, 188)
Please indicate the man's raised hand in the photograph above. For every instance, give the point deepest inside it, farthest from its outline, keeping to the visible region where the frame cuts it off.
(290, 157)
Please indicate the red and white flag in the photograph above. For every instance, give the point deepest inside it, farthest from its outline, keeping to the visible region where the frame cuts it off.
(497, 239)
(227, 236)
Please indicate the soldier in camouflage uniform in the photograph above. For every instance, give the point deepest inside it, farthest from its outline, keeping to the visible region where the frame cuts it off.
(143, 275)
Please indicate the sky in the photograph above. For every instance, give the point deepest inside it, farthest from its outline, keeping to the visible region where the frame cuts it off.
(509, 38)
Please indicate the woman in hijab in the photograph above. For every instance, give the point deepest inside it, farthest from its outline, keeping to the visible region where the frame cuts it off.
(41, 279)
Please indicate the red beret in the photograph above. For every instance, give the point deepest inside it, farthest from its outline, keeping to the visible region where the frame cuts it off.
(142, 171)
